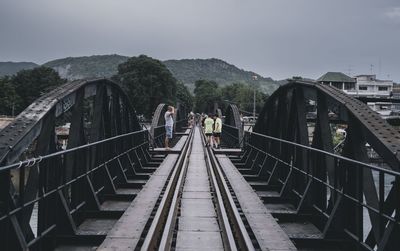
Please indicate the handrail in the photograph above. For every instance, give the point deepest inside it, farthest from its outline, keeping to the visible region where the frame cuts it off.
(28, 161)
(376, 168)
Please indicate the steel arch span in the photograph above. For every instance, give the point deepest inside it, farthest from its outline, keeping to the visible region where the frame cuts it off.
(105, 142)
(232, 132)
(348, 196)
(284, 116)
(110, 114)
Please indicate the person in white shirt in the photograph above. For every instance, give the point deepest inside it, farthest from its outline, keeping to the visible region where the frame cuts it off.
(169, 124)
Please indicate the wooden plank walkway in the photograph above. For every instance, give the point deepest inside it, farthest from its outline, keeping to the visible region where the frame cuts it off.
(198, 227)
(126, 233)
(197, 224)
(269, 234)
(177, 148)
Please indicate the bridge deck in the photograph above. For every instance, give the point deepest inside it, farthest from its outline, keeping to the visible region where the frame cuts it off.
(198, 227)
(127, 231)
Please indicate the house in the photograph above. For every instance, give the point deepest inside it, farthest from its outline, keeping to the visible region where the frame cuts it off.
(364, 86)
(339, 80)
(369, 86)
(396, 95)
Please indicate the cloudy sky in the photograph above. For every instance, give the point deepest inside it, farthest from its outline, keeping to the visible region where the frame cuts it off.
(277, 38)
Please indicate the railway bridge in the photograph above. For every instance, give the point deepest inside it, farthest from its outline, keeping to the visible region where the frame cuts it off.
(285, 185)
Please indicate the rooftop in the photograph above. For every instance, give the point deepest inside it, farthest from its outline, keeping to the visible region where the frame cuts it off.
(336, 77)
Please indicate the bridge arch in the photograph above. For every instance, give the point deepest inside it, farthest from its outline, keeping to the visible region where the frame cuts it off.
(285, 116)
(232, 131)
(157, 130)
(294, 137)
(110, 114)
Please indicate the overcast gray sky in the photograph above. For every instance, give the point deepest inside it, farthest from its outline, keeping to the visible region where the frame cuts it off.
(277, 38)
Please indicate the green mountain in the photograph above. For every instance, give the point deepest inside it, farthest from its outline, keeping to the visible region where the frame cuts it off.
(96, 66)
(190, 70)
(186, 71)
(10, 68)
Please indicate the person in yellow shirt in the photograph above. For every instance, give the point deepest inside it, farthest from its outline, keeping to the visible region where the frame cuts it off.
(208, 129)
(217, 130)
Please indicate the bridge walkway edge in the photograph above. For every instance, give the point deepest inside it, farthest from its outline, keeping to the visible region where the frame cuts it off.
(267, 231)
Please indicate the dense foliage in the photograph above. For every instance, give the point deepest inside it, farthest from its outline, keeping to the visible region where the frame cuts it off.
(9, 100)
(98, 66)
(208, 92)
(243, 95)
(186, 71)
(184, 96)
(189, 71)
(19, 91)
(11, 68)
(148, 83)
(31, 84)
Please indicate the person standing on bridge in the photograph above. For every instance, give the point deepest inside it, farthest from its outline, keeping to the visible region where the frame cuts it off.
(217, 130)
(208, 129)
(169, 124)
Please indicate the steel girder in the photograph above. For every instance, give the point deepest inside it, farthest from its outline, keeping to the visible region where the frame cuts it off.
(27, 126)
(233, 126)
(284, 117)
(384, 138)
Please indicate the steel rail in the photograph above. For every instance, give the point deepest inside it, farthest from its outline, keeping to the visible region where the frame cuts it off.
(166, 240)
(169, 200)
(233, 230)
(231, 219)
(228, 236)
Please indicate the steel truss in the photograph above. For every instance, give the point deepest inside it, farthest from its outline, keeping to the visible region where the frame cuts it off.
(105, 148)
(333, 192)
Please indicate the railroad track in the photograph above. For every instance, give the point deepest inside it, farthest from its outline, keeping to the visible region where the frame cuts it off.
(198, 206)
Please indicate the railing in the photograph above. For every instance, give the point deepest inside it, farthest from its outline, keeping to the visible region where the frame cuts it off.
(159, 132)
(180, 124)
(341, 194)
(159, 136)
(62, 187)
(230, 136)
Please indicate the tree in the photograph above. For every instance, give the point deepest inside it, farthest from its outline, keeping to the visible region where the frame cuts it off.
(242, 95)
(147, 82)
(206, 94)
(184, 96)
(9, 99)
(31, 84)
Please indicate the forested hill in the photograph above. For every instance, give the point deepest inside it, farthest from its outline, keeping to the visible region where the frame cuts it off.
(10, 68)
(186, 71)
(87, 67)
(190, 70)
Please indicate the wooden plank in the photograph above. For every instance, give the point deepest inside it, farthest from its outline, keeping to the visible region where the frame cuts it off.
(228, 151)
(180, 144)
(127, 231)
(164, 151)
(268, 233)
(198, 228)
(190, 240)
